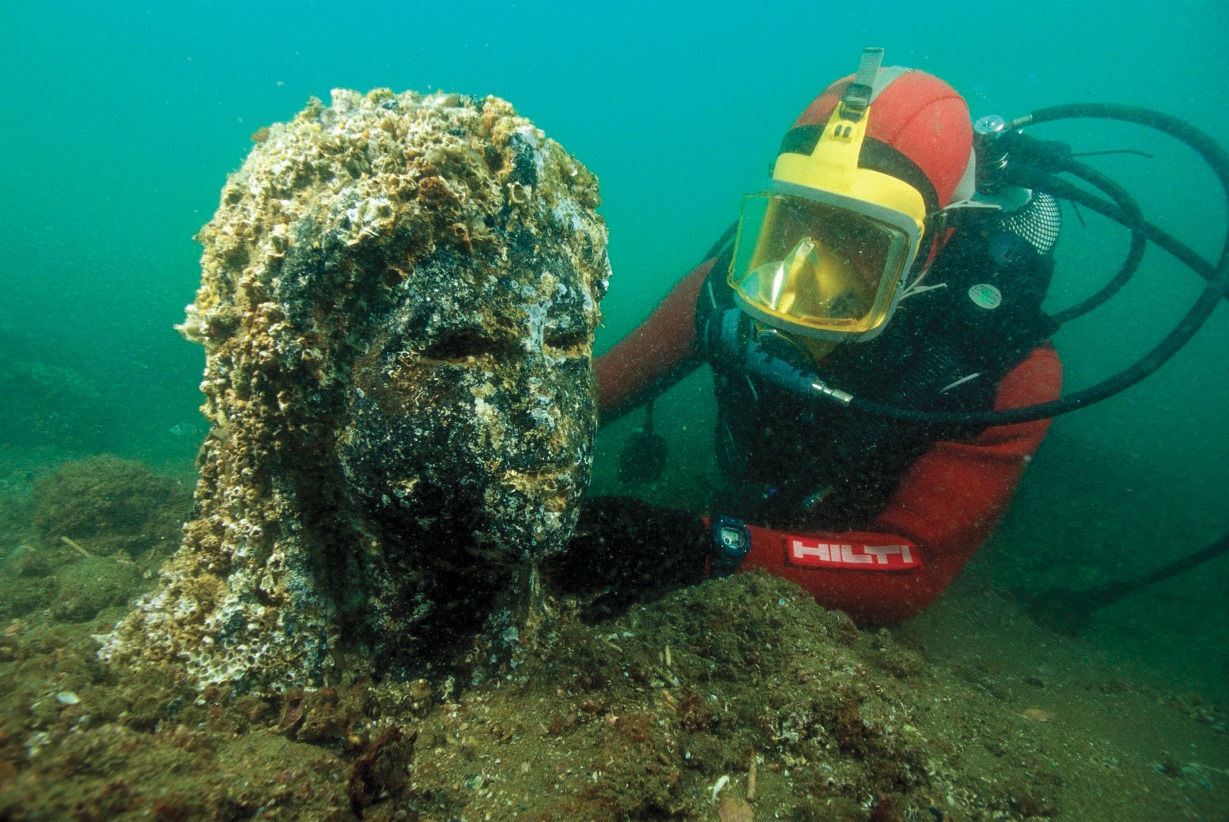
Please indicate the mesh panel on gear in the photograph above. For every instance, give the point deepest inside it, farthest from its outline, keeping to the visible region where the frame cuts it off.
(1038, 222)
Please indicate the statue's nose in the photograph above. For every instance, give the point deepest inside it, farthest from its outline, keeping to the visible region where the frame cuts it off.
(535, 415)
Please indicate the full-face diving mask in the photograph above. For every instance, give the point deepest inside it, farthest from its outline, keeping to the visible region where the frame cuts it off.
(824, 250)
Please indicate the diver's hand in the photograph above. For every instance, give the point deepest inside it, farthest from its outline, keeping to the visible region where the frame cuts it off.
(624, 548)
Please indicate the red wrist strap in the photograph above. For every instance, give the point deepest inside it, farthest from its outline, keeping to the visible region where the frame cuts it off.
(844, 551)
(848, 551)
(872, 576)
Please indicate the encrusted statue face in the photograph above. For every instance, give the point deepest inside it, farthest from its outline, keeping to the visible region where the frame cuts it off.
(471, 420)
(466, 287)
(443, 296)
(397, 304)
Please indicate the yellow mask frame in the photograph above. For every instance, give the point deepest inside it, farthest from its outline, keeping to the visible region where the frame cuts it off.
(840, 276)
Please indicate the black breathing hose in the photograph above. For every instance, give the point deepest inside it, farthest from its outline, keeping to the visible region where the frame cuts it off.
(1064, 190)
(1132, 218)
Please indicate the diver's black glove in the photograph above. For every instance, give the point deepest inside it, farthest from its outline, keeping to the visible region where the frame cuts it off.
(624, 549)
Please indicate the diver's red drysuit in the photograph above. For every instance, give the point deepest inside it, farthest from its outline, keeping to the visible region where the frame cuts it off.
(944, 505)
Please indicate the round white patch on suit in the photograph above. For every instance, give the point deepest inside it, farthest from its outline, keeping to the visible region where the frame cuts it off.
(985, 295)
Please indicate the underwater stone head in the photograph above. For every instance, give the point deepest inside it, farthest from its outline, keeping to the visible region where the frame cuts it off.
(398, 303)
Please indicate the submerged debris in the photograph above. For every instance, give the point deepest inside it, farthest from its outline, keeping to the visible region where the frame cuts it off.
(398, 302)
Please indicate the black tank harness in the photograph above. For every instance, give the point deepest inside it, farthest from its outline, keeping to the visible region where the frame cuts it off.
(794, 461)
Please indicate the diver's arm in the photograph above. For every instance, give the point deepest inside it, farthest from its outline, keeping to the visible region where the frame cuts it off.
(944, 508)
(659, 353)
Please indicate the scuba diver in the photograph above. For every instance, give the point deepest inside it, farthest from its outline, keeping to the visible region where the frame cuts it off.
(882, 364)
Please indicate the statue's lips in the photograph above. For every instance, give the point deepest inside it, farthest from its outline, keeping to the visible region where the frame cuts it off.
(553, 486)
(551, 473)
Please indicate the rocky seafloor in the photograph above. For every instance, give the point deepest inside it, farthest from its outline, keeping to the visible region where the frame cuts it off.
(737, 699)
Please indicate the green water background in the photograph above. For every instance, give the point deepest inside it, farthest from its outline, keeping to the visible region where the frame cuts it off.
(121, 120)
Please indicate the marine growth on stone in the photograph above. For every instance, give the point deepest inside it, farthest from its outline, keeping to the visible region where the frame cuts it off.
(398, 300)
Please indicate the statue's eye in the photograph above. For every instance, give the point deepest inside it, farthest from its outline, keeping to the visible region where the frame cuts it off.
(570, 342)
(465, 344)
